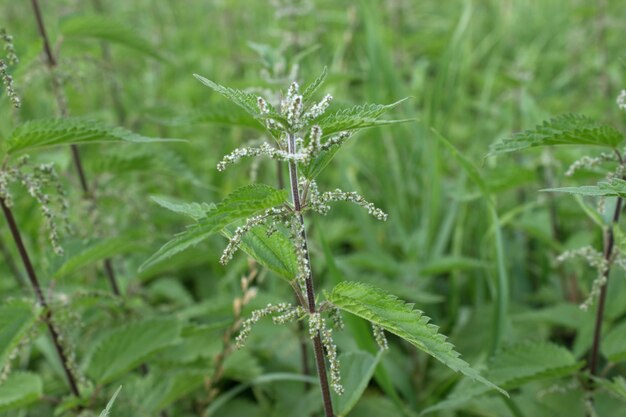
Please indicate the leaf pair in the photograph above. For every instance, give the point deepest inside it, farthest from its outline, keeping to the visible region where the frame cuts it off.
(275, 251)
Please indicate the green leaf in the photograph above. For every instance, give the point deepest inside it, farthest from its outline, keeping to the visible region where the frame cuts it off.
(106, 29)
(16, 319)
(614, 188)
(44, 133)
(401, 319)
(230, 116)
(515, 366)
(90, 253)
(243, 99)
(170, 387)
(120, 350)
(19, 390)
(314, 86)
(614, 344)
(616, 387)
(275, 252)
(357, 369)
(242, 203)
(107, 410)
(567, 129)
(357, 117)
(194, 210)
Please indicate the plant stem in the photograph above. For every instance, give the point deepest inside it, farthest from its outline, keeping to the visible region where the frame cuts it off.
(310, 292)
(41, 299)
(609, 243)
(63, 110)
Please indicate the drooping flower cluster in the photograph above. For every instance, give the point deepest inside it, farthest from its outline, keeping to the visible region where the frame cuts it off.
(36, 180)
(282, 312)
(379, 335)
(11, 59)
(594, 259)
(317, 325)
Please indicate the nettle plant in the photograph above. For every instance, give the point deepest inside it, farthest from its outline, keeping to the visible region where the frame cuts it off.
(20, 318)
(610, 191)
(269, 225)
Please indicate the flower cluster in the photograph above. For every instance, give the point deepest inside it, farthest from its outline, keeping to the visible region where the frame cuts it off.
(9, 48)
(11, 58)
(379, 335)
(35, 181)
(594, 259)
(252, 222)
(317, 325)
(285, 312)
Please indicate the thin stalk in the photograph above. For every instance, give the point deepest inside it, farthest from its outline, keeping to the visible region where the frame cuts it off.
(41, 299)
(609, 243)
(310, 292)
(63, 110)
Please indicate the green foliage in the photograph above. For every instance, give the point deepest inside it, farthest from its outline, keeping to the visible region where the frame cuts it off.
(614, 343)
(120, 350)
(244, 202)
(109, 30)
(515, 366)
(357, 368)
(357, 117)
(19, 390)
(92, 252)
(274, 252)
(616, 187)
(194, 210)
(401, 319)
(17, 317)
(568, 129)
(44, 133)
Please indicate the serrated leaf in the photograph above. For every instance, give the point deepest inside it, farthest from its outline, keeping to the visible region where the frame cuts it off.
(16, 319)
(614, 344)
(275, 252)
(321, 161)
(401, 319)
(357, 117)
(194, 210)
(567, 129)
(19, 390)
(232, 116)
(242, 203)
(514, 366)
(107, 410)
(106, 29)
(90, 253)
(120, 350)
(357, 369)
(314, 86)
(614, 188)
(243, 99)
(44, 133)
